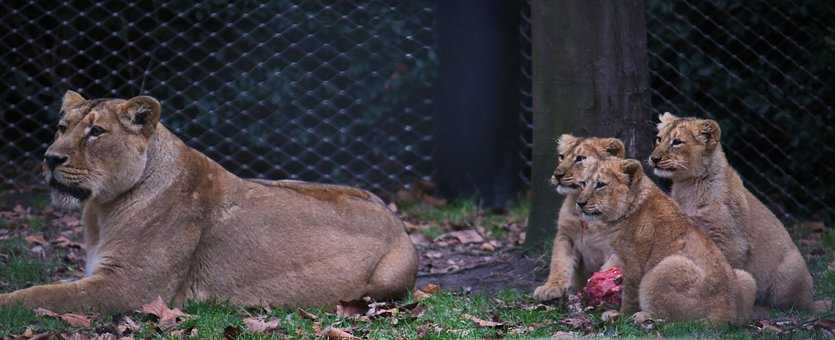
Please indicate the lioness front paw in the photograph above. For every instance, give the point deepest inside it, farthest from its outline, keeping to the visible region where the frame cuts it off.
(549, 292)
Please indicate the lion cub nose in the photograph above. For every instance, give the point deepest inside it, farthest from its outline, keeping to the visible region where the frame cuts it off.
(52, 160)
(581, 204)
(655, 159)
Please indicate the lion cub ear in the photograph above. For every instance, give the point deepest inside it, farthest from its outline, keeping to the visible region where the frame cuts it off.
(71, 98)
(140, 114)
(633, 170)
(710, 132)
(615, 147)
(665, 119)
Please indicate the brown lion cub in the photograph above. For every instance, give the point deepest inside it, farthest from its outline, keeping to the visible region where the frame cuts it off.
(580, 248)
(671, 269)
(162, 219)
(688, 151)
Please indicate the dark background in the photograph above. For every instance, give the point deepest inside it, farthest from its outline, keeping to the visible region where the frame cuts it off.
(381, 94)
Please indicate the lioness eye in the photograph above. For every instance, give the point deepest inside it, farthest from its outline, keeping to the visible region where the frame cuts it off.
(579, 159)
(599, 185)
(582, 184)
(677, 142)
(96, 131)
(657, 140)
(62, 128)
(561, 157)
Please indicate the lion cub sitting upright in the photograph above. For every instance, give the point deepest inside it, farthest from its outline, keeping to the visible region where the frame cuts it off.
(709, 190)
(162, 219)
(671, 269)
(580, 248)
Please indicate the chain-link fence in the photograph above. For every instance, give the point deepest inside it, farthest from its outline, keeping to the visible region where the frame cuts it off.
(764, 70)
(332, 91)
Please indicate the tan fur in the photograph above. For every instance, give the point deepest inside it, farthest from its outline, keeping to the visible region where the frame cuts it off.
(164, 220)
(711, 192)
(671, 269)
(580, 248)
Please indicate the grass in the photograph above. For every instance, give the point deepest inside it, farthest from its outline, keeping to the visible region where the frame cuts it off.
(445, 315)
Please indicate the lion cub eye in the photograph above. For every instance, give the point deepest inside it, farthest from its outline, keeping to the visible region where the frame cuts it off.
(561, 157)
(582, 184)
(677, 142)
(657, 140)
(600, 185)
(62, 128)
(96, 131)
(579, 159)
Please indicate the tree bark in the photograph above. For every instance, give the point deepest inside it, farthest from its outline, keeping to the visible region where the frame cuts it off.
(590, 78)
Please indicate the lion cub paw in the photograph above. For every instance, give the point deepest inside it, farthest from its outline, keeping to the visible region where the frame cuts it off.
(549, 292)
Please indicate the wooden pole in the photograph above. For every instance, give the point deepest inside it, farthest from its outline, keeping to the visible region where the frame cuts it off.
(590, 78)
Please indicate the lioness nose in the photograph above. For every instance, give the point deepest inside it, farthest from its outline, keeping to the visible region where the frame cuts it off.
(53, 161)
(655, 159)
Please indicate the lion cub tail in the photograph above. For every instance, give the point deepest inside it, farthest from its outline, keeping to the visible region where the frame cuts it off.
(746, 294)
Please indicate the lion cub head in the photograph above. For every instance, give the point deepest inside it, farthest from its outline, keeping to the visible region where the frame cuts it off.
(100, 147)
(683, 145)
(608, 189)
(575, 152)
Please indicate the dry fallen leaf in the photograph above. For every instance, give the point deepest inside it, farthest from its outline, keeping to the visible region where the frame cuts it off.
(74, 320)
(431, 288)
(419, 295)
(168, 318)
(351, 308)
(261, 326)
(306, 315)
(483, 323)
(580, 322)
(467, 236)
(64, 242)
(333, 333)
(36, 240)
(487, 246)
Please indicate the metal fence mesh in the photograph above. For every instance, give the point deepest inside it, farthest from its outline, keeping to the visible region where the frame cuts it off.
(764, 70)
(314, 90)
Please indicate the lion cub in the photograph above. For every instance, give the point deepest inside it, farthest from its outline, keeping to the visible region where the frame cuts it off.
(580, 248)
(671, 269)
(708, 189)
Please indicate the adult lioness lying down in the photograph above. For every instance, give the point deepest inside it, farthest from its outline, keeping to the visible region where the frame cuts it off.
(162, 219)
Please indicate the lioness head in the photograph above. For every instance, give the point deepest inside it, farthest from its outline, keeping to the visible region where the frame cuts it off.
(607, 188)
(574, 152)
(100, 147)
(683, 145)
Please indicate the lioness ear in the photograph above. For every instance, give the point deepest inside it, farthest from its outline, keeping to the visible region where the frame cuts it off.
(140, 114)
(710, 132)
(632, 168)
(665, 119)
(71, 98)
(615, 147)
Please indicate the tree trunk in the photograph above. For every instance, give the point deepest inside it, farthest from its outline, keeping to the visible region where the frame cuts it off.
(590, 79)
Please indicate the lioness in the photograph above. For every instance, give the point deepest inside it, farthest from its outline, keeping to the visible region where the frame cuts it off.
(671, 269)
(162, 219)
(580, 248)
(688, 151)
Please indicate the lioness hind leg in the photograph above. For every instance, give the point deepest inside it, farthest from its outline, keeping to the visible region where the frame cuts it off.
(394, 275)
(669, 290)
(791, 285)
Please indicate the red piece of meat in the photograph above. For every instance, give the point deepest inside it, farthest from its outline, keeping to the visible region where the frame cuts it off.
(603, 288)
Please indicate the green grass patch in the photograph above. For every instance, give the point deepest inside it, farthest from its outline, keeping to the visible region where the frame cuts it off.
(15, 320)
(18, 269)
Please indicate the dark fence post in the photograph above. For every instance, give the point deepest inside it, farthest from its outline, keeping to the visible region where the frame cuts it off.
(476, 123)
(590, 79)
